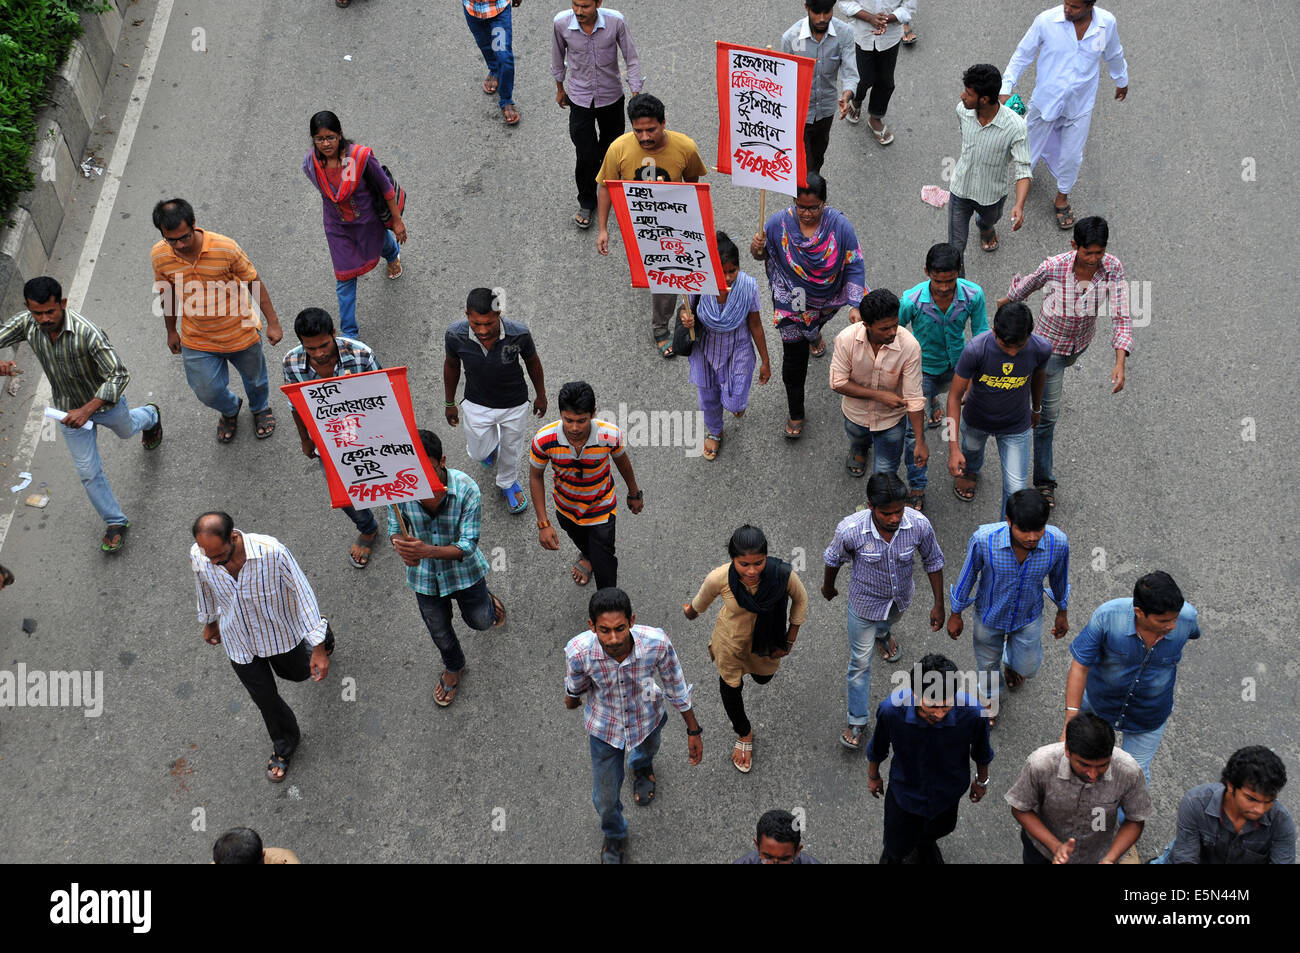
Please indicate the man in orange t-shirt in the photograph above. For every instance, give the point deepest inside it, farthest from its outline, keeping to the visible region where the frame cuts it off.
(207, 280)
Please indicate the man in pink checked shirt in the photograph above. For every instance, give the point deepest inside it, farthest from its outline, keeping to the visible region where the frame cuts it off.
(615, 662)
(1080, 286)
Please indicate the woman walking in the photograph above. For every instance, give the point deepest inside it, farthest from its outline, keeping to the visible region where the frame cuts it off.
(349, 178)
(815, 267)
(751, 635)
(728, 330)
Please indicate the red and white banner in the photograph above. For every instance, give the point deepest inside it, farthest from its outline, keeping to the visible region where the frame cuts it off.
(667, 229)
(364, 429)
(762, 106)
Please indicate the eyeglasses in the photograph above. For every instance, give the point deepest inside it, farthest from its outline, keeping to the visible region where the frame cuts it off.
(179, 238)
(324, 139)
(809, 209)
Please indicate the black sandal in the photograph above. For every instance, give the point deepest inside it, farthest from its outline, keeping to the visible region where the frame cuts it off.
(277, 761)
(643, 788)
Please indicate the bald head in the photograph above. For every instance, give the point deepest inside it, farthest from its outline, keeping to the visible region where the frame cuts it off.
(214, 523)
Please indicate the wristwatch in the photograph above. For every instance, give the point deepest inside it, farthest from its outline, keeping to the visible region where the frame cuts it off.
(696, 733)
(638, 495)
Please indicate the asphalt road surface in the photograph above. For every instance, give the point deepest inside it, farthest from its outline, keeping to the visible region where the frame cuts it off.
(1183, 470)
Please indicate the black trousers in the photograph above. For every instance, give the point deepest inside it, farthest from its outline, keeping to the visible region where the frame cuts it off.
(816, 137)
(876, 73)
(258, 677)
(1029, 853)
(906, 832)
(733, 702)
(597, 544)
(794, 373)
(591, 145)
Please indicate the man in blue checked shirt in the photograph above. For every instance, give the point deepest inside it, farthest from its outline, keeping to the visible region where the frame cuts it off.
(614, 664)
(1125, 661)
(881, 543)
(1002, 577)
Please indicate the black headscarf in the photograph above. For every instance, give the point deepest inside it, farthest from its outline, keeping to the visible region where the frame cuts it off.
(768, 603)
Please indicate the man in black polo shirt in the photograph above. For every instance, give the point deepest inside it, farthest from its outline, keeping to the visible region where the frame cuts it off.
(496, 397)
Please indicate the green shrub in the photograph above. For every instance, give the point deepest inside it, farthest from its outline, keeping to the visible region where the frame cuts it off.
(35, 36)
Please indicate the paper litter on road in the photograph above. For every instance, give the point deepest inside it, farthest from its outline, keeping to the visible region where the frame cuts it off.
(933, 195)
(60, 415)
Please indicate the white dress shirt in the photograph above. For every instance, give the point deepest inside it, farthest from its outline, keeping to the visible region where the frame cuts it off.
(1069, 68)
(864, 32)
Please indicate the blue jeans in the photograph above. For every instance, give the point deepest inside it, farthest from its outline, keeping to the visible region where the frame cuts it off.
(1043, 433)
(476, 609)
(607, 772)
(931, 386)
(1013, 449)
(1020, 650)
(84, 447)
(863, 634)
(1142, 745)
(888, 444)
(495, 41)
(1164, 856)
(347, 291)
(208, 375)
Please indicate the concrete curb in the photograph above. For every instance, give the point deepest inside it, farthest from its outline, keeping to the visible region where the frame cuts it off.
(65, 127)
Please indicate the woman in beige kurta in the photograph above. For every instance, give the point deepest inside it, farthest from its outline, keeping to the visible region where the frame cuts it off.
(749, 640)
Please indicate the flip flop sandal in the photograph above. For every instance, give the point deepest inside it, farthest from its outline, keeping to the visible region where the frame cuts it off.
(7, 576)
(857, 744)
(507, 111)
(665, 346)
(916, 500)
(114, 537)
(396, 263)
(855, 467)
(1015, 681)
(967, 483)
(585, 573)
(989, 244)
(883, 135)
(498, 612)
(708, 454)
(489, 460)
(276, 761)
(227, 427)
(152, 437)
(909, 37)
(1049, 494)
(490, 85)
(818, 352)
(1062, 213)
(886, 653)
(643, 788)
(743, 747)
(515, 498)
(448, 690)
(582, 218)
(795, 432)
(368, 546)
(936, 418)
(264, 420)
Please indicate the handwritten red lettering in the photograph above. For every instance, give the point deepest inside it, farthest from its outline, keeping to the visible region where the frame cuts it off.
(402, 487)
(778, 168)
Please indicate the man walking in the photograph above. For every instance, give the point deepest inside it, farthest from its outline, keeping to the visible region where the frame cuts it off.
(1069, 795)
(1080, 286)
(878, 27)
(207, 280)
(614, 664)
(321, 354)
(992, 135)
(256, 602)
(1067, 42)
(777, 841)
(585, 43)
(437, 539)
(829, 41)
(937, 312)
(881, 542)
(935, 731)
(87, 380)
(496, 397)
(1002, 371)
(1125, 660)
(649, 152)
(1006, 565)
(490, 24)
(580, 447)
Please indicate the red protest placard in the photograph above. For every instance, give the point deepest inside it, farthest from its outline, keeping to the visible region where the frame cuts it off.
(364, 430)
(762, 105)
(667, 229)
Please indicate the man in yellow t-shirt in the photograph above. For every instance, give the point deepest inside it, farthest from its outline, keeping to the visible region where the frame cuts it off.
(650, 152)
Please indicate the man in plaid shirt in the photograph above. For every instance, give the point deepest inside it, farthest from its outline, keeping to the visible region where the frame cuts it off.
(439, 545)
(1080, 286)
(489, 22)
(614, 663)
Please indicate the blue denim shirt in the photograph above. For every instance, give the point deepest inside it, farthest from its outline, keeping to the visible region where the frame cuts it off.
(1129, 685)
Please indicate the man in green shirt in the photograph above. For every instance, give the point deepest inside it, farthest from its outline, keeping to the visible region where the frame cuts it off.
(87, 380)
(938, 310)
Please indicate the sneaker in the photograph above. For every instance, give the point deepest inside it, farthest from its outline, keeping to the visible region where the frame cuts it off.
(614, 851)
(854, 115)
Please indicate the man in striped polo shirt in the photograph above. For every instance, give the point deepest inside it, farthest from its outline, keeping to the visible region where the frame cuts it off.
(208, 280)
(580, 448)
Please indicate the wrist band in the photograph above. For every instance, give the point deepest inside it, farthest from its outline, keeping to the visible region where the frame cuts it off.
(449, 403)
(1068, 708)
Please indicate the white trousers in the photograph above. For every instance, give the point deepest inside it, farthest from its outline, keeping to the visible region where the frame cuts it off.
(1060, 141)
(499, 429)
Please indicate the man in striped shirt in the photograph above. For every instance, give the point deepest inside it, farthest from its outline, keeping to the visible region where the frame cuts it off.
(255, 601)
(880, 543)
(614, 664)
(1002, 577)
(580, 448)
(490, 24)
(207, 280)
(87, 379)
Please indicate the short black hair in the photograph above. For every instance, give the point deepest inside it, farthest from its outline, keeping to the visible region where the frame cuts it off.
(1255, 767)
(816, 185)
(577, 397)
(1013, 323)
(432, 445)
(747, 541)
(819, 6)
(1028, 510)
(1089, 736)
(42, 289)
(779, 826)
(878, 304)
(242, 845)
(313, 322)
(924, 672)
(728, 253)
(481, 301)
(609, 599)
(943, 258)
(885, 488)
(227, 525)
(173, 213)
(1156, 593)
(1092, 230)
(645, 106)
(984, 80)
